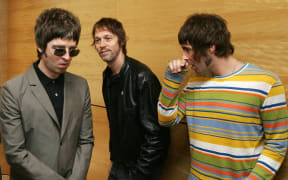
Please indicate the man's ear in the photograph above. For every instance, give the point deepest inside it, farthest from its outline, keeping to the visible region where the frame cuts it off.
(122, 44)
(212, 49)
(39, 50)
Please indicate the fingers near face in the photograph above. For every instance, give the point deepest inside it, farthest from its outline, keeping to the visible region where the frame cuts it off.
(176, 65)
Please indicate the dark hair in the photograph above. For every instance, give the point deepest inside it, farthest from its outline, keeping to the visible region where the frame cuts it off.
(202, 31)
(56, 23)
(114, 26)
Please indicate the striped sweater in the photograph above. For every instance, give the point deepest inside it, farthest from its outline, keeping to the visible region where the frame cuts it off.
(237, 124)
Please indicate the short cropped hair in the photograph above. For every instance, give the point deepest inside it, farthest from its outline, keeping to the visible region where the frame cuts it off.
(202, 31)
(56, 23)
(115, 27)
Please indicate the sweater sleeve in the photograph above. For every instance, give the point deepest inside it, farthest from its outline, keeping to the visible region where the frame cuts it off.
(171, 103)
(275, 123)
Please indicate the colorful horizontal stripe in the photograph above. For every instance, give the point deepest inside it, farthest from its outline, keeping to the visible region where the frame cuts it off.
(228, 118)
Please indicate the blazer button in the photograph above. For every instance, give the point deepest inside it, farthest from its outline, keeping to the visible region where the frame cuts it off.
(61, 143)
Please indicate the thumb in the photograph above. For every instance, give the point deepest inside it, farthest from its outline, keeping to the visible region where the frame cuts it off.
(184, 64)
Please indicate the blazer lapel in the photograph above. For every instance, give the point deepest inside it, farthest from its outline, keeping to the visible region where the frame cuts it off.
(68, 96)
(41, 94)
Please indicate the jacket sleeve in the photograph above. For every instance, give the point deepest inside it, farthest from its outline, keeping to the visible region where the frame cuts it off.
(274, 117)
(155, 146)
(14, 140)
(86, 142)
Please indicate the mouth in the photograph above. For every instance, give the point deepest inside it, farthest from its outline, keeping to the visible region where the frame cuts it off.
(63, 66)
(104, 52)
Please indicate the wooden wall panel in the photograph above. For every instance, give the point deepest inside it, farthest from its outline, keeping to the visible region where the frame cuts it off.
(3, 164)
(258, 32)
(258, 28)
(100, 162)
(3, 40)
(3, 72)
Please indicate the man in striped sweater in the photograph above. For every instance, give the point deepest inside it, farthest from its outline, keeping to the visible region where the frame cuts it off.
(236, 112)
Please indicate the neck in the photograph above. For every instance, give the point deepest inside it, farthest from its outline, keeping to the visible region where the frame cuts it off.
(117, 64)
(225, 66)
(48, 73)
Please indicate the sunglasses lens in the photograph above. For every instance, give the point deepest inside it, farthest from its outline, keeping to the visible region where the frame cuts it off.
(59, 51)
(74, 52)
(62, 51)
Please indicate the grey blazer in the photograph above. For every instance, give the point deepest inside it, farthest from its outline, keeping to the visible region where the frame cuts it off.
(35, 145)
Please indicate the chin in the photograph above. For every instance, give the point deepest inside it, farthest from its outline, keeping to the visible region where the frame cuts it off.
(108, 60)
(61, 71)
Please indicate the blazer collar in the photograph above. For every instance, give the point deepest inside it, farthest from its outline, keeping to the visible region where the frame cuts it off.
(41, 94)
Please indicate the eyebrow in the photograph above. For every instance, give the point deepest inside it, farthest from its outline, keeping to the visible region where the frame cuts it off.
(105, 35)
(62, 46)
(186, 48)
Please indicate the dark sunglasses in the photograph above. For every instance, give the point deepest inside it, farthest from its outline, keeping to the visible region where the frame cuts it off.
(61, 51)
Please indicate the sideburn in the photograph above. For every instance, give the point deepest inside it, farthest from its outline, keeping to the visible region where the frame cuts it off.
(208, 60)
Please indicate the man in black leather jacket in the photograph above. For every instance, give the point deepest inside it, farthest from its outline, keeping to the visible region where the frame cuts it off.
(138, 145)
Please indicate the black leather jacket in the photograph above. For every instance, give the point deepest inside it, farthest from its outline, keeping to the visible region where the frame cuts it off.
(131, 99)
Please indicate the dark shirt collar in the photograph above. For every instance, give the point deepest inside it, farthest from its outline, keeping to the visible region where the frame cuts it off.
(108, 71)
(45, 80)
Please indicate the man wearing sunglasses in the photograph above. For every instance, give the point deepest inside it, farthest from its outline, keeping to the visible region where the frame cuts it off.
(45, 118)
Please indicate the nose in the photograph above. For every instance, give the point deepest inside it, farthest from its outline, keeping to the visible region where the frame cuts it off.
(102, 43)
(187, 58)
(67, 56)
(184, 56)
